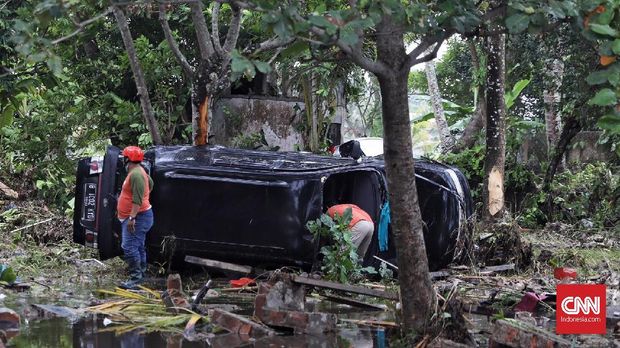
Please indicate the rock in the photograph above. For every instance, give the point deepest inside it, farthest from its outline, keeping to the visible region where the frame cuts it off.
(517, 334)
(275, 306)
(8, 319)
(9, 324)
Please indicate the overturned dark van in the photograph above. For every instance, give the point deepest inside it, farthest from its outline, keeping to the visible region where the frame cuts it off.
(251, 207)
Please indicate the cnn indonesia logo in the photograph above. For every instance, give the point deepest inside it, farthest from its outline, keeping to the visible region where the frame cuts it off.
(581, 309)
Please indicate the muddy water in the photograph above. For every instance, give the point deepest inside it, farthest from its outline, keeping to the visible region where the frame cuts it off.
(89, 331)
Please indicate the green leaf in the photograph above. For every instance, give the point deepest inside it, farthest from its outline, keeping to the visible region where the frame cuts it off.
(610, 123)
(6, 118)
(320, 21)
(512, 96)
(615, 46)
(597, 77)
(518, 22)
(604, 29)
(604, 97)
(556, 9)
(295, 49)
(55, 65)
(263, 67)
(348, 36)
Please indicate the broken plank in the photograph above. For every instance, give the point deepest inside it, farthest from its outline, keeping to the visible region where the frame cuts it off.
(439, 274)
(239, 324)
(388, 324)
(218, 264)
(346, 288)
(353, 303)
(500, 268)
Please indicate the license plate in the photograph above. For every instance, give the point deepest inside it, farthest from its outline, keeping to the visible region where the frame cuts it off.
(89, 206)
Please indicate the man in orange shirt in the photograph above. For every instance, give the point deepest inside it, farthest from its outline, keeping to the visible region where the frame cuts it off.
(361, 226)
(136, 216)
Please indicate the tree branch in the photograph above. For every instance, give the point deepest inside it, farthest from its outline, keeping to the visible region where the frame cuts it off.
(82, 25)
(272, 43)
(412, 57)
(215, 28)
(202, 32)
(430, 56)
(233, 30)
(172, 43)
(358, 57)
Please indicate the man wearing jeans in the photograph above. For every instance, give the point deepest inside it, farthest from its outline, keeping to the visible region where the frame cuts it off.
(361, 226)
(136, 216)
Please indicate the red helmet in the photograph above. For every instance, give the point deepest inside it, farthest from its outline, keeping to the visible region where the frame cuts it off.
(133, 153)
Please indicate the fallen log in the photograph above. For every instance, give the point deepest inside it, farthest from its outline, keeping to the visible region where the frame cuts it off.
(345, 288)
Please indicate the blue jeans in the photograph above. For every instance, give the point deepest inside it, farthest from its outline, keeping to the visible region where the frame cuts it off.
(133, 242)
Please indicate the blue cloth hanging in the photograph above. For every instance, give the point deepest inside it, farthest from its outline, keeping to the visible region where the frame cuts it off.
(384, 222)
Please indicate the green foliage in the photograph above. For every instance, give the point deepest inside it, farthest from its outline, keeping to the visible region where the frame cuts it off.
(340, 259)
(7, 275)
(590, 193)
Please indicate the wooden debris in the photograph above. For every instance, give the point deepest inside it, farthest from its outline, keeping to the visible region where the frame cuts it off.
(8, 192)
(440, 274)
(375, 323)
(492, 269)
(238, 324)
(352, 302)
(245, 288)
(445, 343)
(346, 288)
(613, 316)
(31, 225)
(218, 264)
(518, 334)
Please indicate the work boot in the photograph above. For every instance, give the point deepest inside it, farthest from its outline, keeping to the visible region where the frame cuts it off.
(135, 275)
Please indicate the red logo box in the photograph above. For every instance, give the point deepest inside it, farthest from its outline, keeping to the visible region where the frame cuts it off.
(580, 309)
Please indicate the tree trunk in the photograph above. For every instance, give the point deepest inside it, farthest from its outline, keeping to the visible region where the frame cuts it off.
(495, 133)
(446, 139)
(138, 75)
(470, 133)
(571, 127)
(418, 294)
(552, 98)
(316, 107)
(340, 114)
